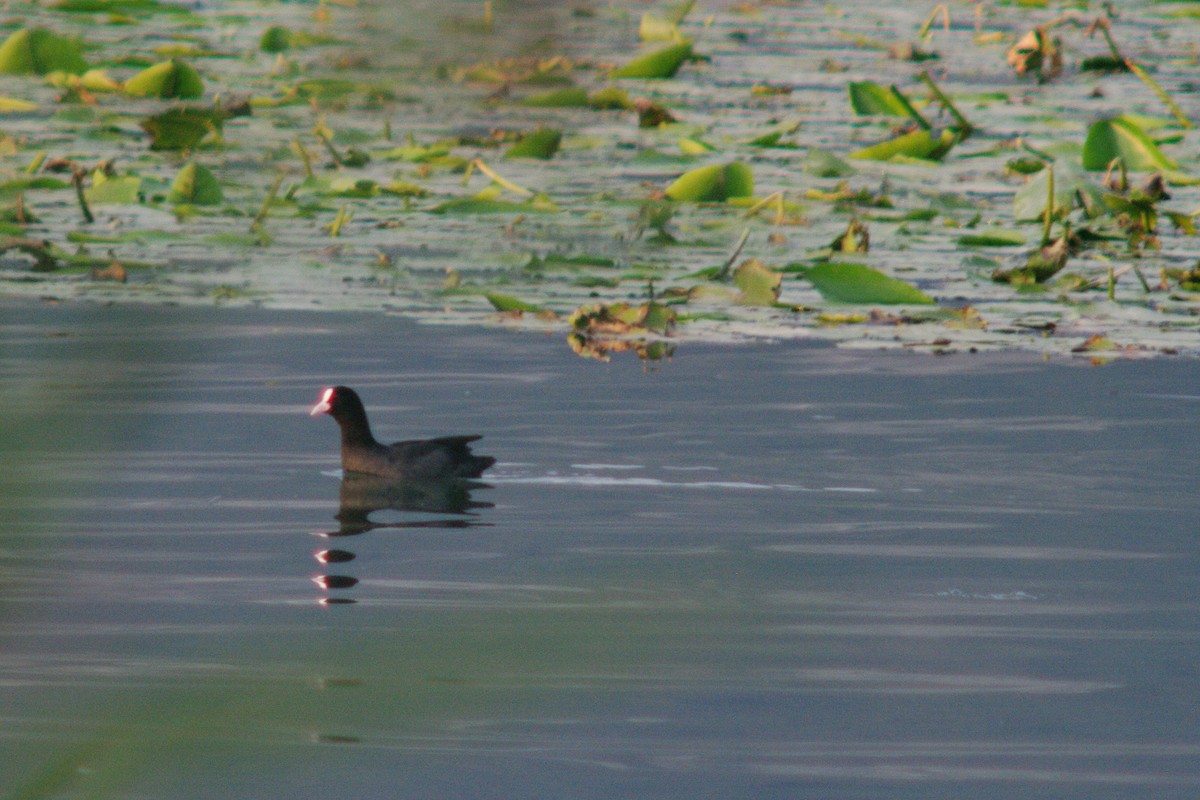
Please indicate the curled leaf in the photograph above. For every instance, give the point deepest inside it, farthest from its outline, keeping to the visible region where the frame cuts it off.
(848, 282)
(172, 78)
(195, 185)
(38, 51)
(1122, 138)
(713, 183)
(662, 63)
(759, 283)
(542, 143)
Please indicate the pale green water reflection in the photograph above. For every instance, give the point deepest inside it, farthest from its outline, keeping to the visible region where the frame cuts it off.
(782, 571)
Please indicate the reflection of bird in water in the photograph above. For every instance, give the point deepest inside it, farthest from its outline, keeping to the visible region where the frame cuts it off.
(363, 494)
(418, 460)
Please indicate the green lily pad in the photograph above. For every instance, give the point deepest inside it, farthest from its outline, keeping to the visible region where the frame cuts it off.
(993, 237)
(118, 190)
(542, 143)
(1071, 184)
(540, 204)
(38, 51)
(182, 127)
(915, 144)
(568, 97)
(510, 305)
(855, 283)
(11, 104)
(759, 283)
(167, 79)
(654, 28)
(275, 39)
(662, 63)
(713, 183)
(610, 97)
(1121, 137)
(196, 185)
(871, 99)
(824, 164)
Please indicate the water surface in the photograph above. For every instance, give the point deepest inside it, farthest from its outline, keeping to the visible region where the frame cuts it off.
(778, 571)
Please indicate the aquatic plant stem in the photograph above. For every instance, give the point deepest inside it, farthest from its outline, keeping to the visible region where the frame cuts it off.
(923, 33)
(500, 179)
(727, 267)
(683, 11)
(1167, 100)
(964, 124)
(36, 163)
(77, 181)
(1048, 216)
(261, 216)
(775, 199)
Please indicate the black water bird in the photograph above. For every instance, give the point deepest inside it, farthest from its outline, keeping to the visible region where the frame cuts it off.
(440, 459)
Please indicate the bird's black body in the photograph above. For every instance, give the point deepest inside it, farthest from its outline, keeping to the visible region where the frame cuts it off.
(444, 458)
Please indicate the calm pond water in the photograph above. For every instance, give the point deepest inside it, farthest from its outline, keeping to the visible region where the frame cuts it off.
(768, 571)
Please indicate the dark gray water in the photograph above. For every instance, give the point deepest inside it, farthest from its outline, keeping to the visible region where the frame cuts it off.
(776, 571)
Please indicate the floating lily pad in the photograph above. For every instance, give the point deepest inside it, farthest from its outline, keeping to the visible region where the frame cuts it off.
(568, 97)
(871, 99)
(759, 283)
(275, 39)
(38, 51)
(510, 305)
(12, 104)
(713, 183)
(611, 97)
(994, 237)
(662, 63)
(919, 144)
(182, 127)
(1071, 185)
(113, 190)
(196, 185)
(542, 143)
(1121, 137)
(824, 164)
(490, 205)
(168, 79)
(848, 282)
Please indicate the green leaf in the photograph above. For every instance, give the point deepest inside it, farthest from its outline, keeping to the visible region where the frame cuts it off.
(37, 51)
(714, 183)
(855, 283)
(695, 147)
(488, 205)
(172, 78)
(542, 143)
(609, 98)
(275, 39)
(759, 283)
(993, 237)
(871, 99)
(121, 190)
(824, 164)
(916, 144)
(182, 127)
(1070, 185)
(10, 104)
(1121, 137)
(662, 63)
(508, 304)
(196, 185)
(654, 28)
(569, 97)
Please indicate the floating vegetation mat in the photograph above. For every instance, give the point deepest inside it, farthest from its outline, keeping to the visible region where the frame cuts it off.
(937, 178)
